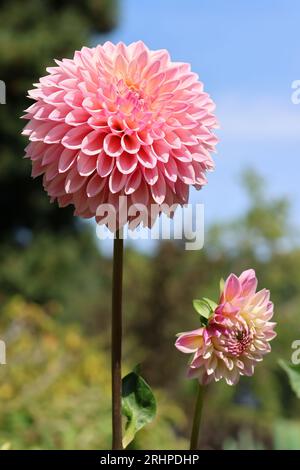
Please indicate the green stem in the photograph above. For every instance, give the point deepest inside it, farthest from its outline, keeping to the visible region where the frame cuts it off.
(197, 419)
(116, 342)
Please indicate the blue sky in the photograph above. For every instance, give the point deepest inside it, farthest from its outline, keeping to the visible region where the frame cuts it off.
(247, 55)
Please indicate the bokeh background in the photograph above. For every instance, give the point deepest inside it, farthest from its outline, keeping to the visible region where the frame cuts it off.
(55, 275)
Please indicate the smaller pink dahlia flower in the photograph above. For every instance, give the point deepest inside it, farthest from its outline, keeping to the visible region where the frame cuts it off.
(236, 335)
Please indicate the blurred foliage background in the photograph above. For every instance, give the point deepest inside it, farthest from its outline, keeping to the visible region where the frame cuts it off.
(55, 288)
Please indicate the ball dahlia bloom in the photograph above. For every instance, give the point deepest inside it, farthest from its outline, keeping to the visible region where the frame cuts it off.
(120, 120)
(236, 336)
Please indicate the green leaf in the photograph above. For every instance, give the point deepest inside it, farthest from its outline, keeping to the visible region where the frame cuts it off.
(202, 307)
(138, 405)
(211, 303)
(293, 372)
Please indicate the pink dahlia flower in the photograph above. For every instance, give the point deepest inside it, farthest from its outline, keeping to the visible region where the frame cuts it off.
(236, 336)
(116, 121)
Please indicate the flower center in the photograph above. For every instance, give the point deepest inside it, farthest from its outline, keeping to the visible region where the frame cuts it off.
(238, 341)
(132, 86)
(130, 99)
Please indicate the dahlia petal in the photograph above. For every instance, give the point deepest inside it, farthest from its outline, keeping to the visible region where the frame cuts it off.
(155, 82)
(74, 181)
(35, 150)
(248, 368)
(249, 282)
(133, 182)
(80, 200)
(141, 195)
(66, 159)
(112, 145)
(59, 113)
(207, 354)
(190, 341)
(151, 69)
(194, 373)
(51, 171)
(183, 155)
(120, 65)
(211, 365)
(64, 200)
(94, 203)
(51, 153)
(151, 175)
(67, 65)
(232, 288)
(95, 185)
(69, 83)
(182, 191)
(200, 177)
(158, 190)
(131, 125)
(55, 135)
(98, 123)
(55, 98)
(157, 134)
(34, 94)
(163, 56)
(130, 143)
(116, 124)
(56, 187)
(146, 157)
(186, 172)
(232, 377)
(77, 117)
(105, 164)
(127, 163)
(173, 140)
(92, 105)
(93, 142)
(39, 131)
(144, 137)
(41, 112)
(74, 99)
(74, 137)
(269, 335)
(178, 107)
(86, 164)
(142, 60)
(170, 170)
(225, 309)
(37, 169)
(205, 379)
(260, 298)
(169, 86)
(185, 137)
(122, 50)
(117, 180)
(161, 150)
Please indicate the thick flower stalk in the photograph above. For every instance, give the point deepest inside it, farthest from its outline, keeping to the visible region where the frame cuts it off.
(117, 121)
(236, 335)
